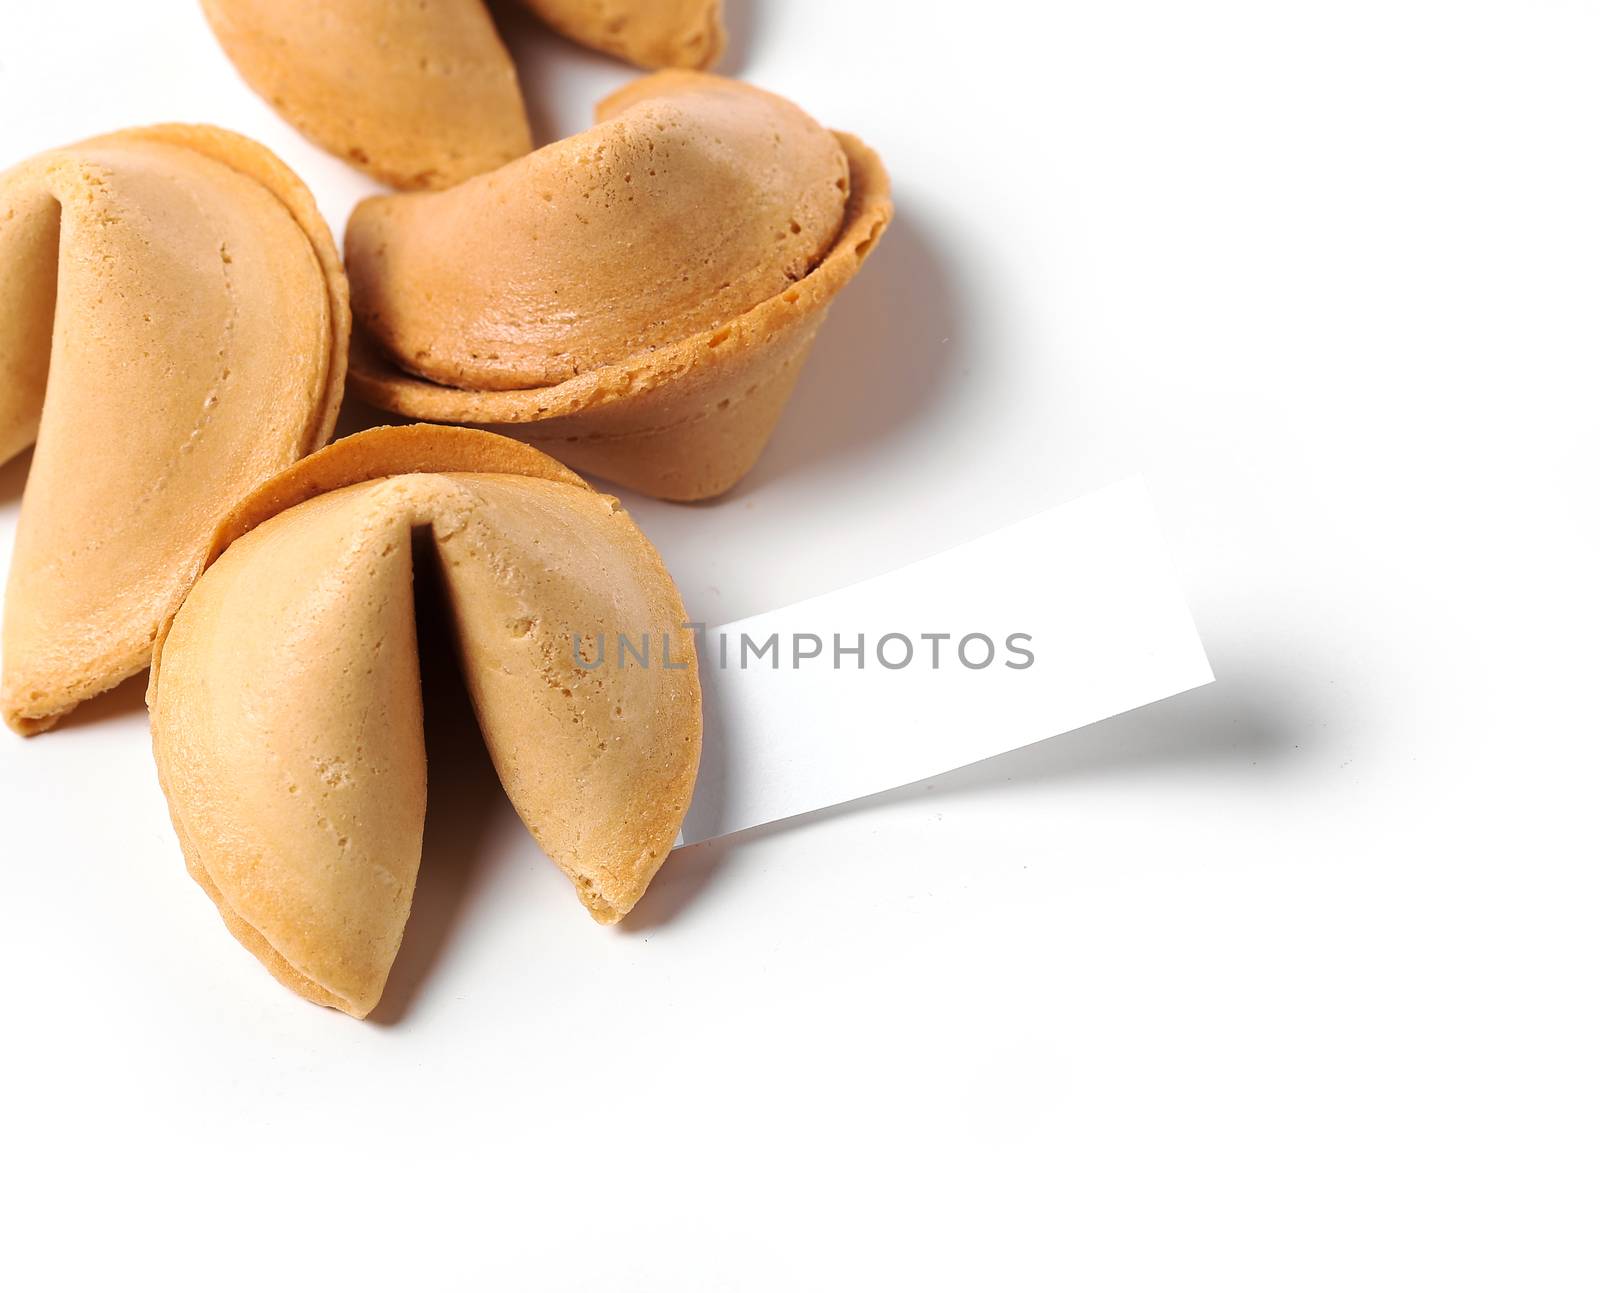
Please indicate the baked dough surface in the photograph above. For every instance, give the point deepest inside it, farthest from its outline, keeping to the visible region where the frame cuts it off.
(646, 328)
(174, 330)
(286, 704)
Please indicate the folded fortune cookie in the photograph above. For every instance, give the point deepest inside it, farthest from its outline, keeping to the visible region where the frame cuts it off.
(286, 707)
(646, 33)
(174, 327)
(644, 293)
(418, 95)
(423, 93)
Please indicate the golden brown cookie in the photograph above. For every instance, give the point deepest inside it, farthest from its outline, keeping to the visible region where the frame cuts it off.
(418, 93)
(643, 293)
(423, 94)
(285, 696)
(646, 33)
(173, 331)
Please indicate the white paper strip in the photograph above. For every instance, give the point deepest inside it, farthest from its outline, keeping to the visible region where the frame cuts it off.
(806, 723)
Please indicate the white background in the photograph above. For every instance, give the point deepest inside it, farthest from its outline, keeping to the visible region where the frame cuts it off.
(1286, 984)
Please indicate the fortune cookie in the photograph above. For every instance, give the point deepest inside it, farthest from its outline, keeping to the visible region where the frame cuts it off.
(174, 328)
(643, 294)
(646, 33)
(423, 94)
(286, 706)
(419, 94)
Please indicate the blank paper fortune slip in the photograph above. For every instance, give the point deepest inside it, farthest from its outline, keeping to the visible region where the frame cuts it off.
(1048, 625)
